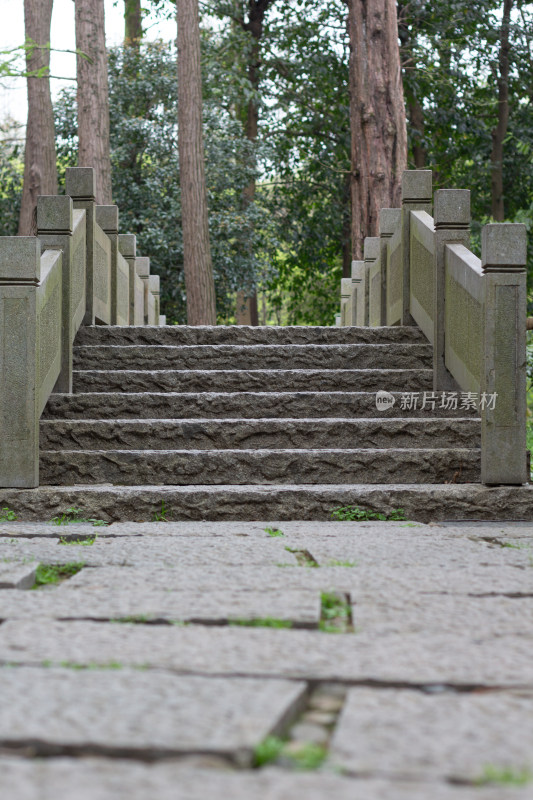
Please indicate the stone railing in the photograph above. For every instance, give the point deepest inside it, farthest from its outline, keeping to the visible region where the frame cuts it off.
(77, 270)
(420, 271)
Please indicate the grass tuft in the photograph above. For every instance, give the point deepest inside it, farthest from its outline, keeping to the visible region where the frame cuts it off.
(47, 574)
(352, 513)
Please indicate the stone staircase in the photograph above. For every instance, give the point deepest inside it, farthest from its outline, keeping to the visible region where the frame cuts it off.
(237, 422)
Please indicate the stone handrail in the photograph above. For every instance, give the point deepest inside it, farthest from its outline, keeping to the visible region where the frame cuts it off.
(74, 272)
(473, 311)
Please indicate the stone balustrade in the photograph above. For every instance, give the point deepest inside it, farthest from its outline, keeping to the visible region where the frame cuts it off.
(420, 271)
(77, 270)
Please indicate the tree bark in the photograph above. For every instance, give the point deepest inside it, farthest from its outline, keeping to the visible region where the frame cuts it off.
(500, 131)
(40, 168)
(197, 263)
(377, 115)
(133, 30)
(93, 95)
(414, 106)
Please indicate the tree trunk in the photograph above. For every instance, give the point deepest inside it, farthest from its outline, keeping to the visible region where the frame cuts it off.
(500, 131)
(93, 95)
(377, 115)
(40, 169)
(133, 30)
(415, 110)
(198, 268)
(346, 230)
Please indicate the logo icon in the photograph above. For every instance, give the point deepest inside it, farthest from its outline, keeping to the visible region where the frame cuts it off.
(384, 400)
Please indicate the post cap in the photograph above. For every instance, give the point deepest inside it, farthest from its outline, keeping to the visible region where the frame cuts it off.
(452, 208)
(54, 214)
(372, 248)
(154, 284)
(20, 259)
(358, 270)
(142, 266)
(389, 221)
(107, 218)
(504, 247)
(127, 244)
(346, 287)
(80, 183)
(417, 184)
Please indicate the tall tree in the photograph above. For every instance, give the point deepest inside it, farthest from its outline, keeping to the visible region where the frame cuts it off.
(133, 29)
(500, 131)
(93, 95)
(377, 114)
(197, 263)
(40, 170)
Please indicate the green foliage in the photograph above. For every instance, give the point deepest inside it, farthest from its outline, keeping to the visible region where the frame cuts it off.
(307, 757)
(74, 515)
(274, 532)
(87, 541)
(505, 776)
(55, 573)
(262, 622)
(303, 557)
(7, 515)
(336, 613)
(351, 513)
(161, 516)
(267, 751)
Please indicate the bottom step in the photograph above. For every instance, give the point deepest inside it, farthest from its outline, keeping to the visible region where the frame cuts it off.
(289, 502)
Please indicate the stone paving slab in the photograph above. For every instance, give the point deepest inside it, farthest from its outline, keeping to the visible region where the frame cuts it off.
(300, 608)
(453, 737)
(160, 550)
(99, 779)
(17, 576)
(129, 712)
(416, 659)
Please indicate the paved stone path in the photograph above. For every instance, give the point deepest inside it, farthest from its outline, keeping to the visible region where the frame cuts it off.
(288, 661)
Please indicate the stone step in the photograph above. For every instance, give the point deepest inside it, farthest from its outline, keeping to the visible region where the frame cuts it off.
(420, 502)
(259, 380)
(250, 357)
(264, 434)
(240, 405)
(210, 467)
(243, 334)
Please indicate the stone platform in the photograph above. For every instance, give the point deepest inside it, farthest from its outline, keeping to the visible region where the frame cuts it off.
(274, 659)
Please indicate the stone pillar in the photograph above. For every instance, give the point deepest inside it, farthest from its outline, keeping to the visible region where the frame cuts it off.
(20, 273)
(346, 301)
(142, 268)
(54, 229)
(127, 246)
(503, 377)
(359, 293)
(372, 252)
(417, 191)
(452, 226)
(389, 221)
(162, 319)
(80, 184)
(154, 288)
(107, 218)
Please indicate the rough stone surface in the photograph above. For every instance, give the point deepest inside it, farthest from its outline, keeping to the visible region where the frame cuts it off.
(17, 576)
(199, 434)
(209, 467)
(234, 405)
(121, 711)
(246, 380)
(430, 658)
(105, 779)
(289, 502)
(452, 737)
(219, 357)
(244, 334)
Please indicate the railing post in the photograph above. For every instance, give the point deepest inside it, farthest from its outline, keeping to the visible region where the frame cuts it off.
(154, 288)
(503, 377)
(20, 272)
(358, 294)
(80, 184)
(417, 192)
(389, 220)
(54, 229)
(142, 268)
(127, 245)
(372, 252)
(346, 302)
(107, 218)
(452, 225)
